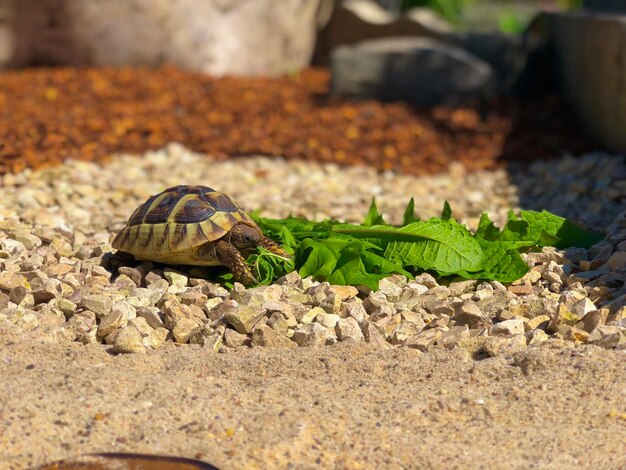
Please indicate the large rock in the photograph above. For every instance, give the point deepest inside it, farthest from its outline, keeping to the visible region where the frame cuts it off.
(354, 21)
(259, 37)
(418, 70)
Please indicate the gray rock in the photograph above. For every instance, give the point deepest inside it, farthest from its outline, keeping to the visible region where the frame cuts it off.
(354, 309)
(135, 274)
(66, 306)
(594, 319)
(418, 70)
(377, 305)
(257, 296)
(387, 325)
(411, 296)
(129, 340)
(461, 287)
(373, 335)
(492, 306)
(4, 300)
(348, 329)
(314, 334)
(83, 326)
(152, 315)
(453, 337)
(222, 310)
(110, 322)
(173, 312)
(390, 289)
(175, 278)
(307, 316)
(404, 331)
(534, 337)
(470, 314)
(582, 307)
(415, 317)
(211, 340)
(44, 290)
(192, 297)
(98, 303)
(499, 345)
(281, 322)
(266, 337)
(328, 320)
(29, 321)
(244, 318)
(19, 293)
(607, 336)
(331, 304)
(425, 339)
(438, 307)
(507, 328)
(290, 278)
(156, 338)
(318, 293)
(10, 280)
(142, 326)
(184, 329)
(233, 339)
(281, 306)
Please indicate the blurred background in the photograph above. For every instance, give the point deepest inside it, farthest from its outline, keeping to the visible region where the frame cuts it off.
(405, 85)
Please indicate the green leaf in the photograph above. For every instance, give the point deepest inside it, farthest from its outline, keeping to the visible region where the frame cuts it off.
(288, 240)
(446, 212)
(344, 261)
(409, 213)
(268, 266)
(318, 258)
(373, 216)
(501, 263)
(559, 232)
(362, 254)
(441, 245)
(350, 269)
(487, 229)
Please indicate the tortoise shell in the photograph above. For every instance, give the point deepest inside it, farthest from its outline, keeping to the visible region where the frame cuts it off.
(172, 224)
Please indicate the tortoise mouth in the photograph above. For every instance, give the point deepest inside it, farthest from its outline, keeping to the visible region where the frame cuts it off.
(247, 251)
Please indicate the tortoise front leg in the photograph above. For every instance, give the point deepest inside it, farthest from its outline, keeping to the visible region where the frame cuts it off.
(272, 246)
(232, 259)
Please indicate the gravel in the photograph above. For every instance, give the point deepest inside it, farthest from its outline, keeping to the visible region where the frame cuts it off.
(57, 224)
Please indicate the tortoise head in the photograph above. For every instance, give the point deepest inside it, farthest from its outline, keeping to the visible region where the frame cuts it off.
(245, 237)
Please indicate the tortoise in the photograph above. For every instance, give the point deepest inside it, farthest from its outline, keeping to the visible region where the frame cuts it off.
(194, 225)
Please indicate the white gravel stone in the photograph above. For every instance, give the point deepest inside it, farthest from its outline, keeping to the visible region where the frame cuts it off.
(348, 329)
(508, 328)
(60, 222)
(329, 320)
(314, 334)
(582, 307)
(129, 340)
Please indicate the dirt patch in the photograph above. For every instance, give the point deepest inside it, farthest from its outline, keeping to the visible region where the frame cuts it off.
(346, 406)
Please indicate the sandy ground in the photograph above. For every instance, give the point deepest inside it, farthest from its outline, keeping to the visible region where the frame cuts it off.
(345, 406)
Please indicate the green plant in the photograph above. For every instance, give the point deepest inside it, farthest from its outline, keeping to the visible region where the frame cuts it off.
(510, 23)
(363, 254)
(448, 9)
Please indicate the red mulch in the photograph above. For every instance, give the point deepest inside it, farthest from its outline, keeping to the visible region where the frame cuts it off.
(48, 115)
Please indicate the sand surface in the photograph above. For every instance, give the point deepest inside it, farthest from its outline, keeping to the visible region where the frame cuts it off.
(343, 406)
